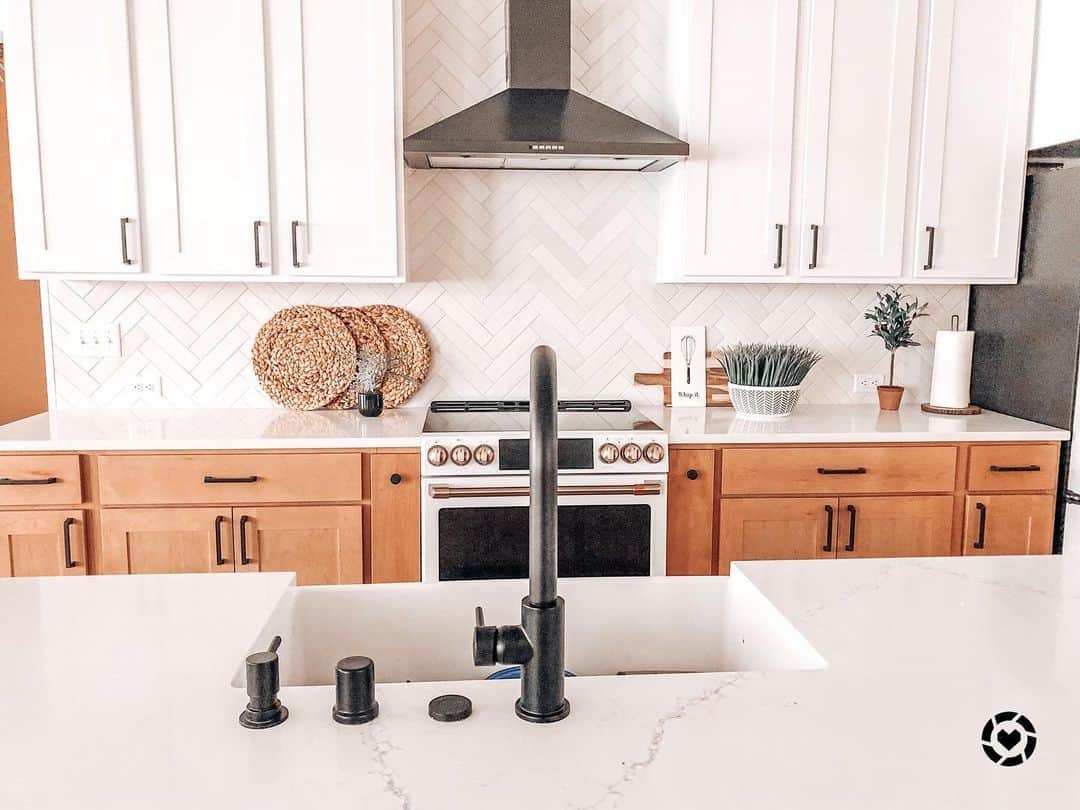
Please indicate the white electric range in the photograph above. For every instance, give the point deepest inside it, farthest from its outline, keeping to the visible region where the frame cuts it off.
(613, 469)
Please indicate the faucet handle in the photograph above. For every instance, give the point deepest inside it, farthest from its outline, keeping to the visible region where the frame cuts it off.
(485, 641)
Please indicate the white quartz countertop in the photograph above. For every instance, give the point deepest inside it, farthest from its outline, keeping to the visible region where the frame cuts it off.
(211, 429)
(115, 693)
(270, 428)
(847, 423)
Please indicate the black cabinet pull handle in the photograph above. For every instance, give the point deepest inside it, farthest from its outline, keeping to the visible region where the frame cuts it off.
(814, 246)
(395, 479)
(27, 482)
(980, 542)
(244, 559)
(692, 475)
(851, 531)
(852, 471)
(779, 247)
(1026, 468)
(828, 530)
(930, 230)
(295, 252)
(258, 245)
(244, 479)
(124, 255)
(217, 539)
(68, 562)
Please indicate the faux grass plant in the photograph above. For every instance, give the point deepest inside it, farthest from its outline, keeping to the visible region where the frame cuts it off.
(767, 365)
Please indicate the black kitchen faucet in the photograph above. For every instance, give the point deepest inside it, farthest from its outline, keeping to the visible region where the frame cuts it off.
(538, 643)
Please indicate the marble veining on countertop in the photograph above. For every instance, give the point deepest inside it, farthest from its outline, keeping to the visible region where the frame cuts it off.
(125, 681)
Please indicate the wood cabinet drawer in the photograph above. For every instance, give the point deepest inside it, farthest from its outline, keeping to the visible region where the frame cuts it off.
(39, 480)
(1013, 467)
(837, 470)
(224, 478)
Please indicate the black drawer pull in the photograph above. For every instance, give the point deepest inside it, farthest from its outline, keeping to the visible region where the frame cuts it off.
(27, 482)
(1026, 468)
(244, 479)
(244, 558)
(218, 556)
(692, 475)
(828, 530)
(68, 562)
(395, 479)
(980, 542)
(852, 471)
(851, 532)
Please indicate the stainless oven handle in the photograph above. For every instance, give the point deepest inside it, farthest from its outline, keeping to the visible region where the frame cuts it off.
(442, 492)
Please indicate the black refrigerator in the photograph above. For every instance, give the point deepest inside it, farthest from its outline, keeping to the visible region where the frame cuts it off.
(1027, 336)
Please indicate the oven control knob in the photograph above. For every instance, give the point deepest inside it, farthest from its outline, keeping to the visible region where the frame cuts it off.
(654, 453)
(609, 453)
(461, 455)
(631, 453)
(484, 455)
(437, 455)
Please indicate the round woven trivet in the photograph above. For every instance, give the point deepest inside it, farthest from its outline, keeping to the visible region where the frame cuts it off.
(409, 351)
(368, 339)
(303, 357)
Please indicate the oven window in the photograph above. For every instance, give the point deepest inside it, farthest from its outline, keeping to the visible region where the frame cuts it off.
(594, 541)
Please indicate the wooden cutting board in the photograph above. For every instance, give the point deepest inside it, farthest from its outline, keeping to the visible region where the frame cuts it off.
(716, 381)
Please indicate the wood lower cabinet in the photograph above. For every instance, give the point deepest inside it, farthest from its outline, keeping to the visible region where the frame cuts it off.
(919, 526)
(166, 541)
(395, 517)
(322, 544)
(776, 529)
(1008, 524)
(43, 544)
(691, 510)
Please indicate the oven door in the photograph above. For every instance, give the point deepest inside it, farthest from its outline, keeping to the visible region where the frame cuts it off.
(609, 526)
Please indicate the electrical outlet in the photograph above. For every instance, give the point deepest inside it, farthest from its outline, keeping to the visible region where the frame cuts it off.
(865, 383)
(98, 340)
(146, 386)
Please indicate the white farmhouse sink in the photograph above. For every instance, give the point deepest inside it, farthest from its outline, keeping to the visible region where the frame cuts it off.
(423, 632)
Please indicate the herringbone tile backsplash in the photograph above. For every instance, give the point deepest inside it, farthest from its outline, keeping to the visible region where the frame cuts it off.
(499, 261)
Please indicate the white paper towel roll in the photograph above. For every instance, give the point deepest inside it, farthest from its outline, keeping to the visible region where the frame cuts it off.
(951, 383)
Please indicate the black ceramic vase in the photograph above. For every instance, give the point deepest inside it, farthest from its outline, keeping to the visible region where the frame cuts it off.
(370, 404)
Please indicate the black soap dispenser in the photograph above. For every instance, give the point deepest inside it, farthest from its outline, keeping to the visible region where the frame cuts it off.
(263, 710)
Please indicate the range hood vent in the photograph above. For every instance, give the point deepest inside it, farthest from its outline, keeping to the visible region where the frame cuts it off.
(539, 122)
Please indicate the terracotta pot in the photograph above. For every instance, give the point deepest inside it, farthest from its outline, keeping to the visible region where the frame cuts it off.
(889, 396)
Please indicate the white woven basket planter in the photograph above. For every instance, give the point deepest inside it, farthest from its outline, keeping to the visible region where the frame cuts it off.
(764, 403)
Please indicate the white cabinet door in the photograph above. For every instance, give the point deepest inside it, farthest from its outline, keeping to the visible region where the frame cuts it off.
(71, 128)
(860, 83)
(337, 161)
(740, 116)
(203, 135)
(974, 139)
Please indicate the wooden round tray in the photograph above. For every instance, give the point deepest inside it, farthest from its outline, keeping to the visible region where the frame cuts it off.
(970, 410)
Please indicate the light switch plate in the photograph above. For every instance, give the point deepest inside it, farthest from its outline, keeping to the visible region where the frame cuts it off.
(98, 340)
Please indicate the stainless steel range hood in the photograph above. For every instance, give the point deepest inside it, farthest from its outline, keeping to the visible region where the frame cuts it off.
(539, 122)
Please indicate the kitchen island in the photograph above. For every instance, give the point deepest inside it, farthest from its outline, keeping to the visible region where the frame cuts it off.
(116, 693)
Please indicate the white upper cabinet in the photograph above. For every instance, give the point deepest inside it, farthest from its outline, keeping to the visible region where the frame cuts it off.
(741, 113)
(336, 147)
(201, 66)
(857, 109)
(831, 139)
(72, 136)
(974, 139)
(182, 139)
